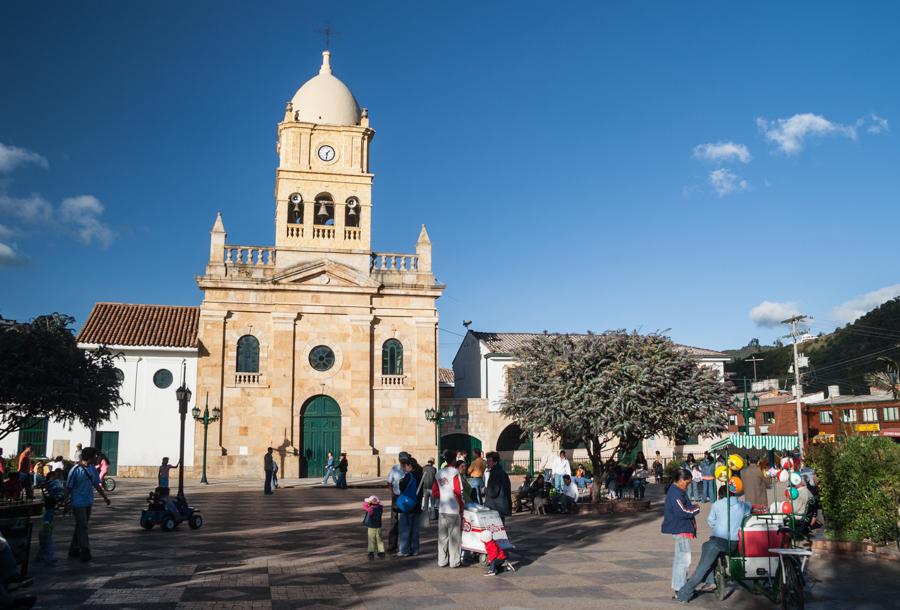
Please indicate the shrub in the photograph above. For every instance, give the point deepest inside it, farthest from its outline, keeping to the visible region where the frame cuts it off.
(517, 469)
(859, 483)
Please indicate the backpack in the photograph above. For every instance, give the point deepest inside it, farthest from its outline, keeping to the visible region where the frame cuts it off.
(407, 499)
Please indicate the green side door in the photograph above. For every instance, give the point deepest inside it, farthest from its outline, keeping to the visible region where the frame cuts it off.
(321, 422)
(108, 444)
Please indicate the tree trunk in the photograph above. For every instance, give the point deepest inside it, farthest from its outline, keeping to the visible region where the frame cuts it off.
(594, 451)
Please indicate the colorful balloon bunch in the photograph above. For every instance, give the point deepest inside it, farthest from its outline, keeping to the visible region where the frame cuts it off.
(787, 475)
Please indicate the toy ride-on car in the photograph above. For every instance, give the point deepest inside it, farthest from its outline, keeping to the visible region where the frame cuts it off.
(168, 512)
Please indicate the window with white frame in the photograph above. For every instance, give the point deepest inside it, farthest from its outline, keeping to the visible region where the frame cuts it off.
(848, 415)
(825, 417)
(732, 420)
(890, 414)
(870, 415)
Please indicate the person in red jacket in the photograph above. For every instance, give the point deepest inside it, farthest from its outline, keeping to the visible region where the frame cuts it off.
(495, 555)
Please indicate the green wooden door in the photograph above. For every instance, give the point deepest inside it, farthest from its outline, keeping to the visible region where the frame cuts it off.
(108, 444)
(461, 442)
(34, 433)
(321, 424)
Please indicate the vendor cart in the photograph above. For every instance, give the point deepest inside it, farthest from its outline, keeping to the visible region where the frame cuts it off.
(766, 560)
(475, 521)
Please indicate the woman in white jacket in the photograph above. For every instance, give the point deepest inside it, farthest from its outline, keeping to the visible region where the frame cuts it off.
(561, 468)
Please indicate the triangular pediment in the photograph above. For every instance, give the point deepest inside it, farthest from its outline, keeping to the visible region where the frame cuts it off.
(323, 272)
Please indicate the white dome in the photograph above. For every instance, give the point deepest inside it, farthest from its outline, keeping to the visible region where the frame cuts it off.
(325, 99)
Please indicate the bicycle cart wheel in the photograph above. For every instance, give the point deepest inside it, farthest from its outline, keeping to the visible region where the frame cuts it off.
(721, 578)
(790, 585)
(109, 484)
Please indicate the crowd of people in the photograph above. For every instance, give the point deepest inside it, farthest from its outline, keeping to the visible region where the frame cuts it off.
(694, 483)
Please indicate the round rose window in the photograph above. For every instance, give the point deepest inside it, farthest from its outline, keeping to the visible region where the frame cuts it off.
(321, 358)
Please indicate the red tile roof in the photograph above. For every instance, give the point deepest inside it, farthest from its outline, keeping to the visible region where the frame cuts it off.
(445, 376)
(509, 342)
(145, 325)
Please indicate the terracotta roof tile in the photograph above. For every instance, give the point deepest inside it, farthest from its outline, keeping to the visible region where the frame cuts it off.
(508, 342)
(146, 325)
(445, 376)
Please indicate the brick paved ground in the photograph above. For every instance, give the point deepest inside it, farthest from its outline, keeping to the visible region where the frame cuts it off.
(305, 548)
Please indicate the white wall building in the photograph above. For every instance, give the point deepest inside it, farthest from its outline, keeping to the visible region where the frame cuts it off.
(156, 345)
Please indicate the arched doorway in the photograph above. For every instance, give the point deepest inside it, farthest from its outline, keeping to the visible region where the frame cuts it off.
(461, 442)
(320, 429)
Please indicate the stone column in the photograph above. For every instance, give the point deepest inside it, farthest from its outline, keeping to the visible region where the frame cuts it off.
(280, 377)
(426, 381)
(210, 371)
(359, 440)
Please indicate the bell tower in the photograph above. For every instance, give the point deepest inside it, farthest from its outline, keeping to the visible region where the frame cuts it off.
(323, 187)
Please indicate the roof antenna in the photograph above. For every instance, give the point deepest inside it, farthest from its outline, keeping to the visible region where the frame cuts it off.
(328, 33)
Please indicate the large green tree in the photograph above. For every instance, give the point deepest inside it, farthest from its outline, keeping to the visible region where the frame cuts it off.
(43, 373)
(622, 386)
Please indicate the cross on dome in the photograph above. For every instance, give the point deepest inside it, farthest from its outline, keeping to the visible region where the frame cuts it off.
(325, 99)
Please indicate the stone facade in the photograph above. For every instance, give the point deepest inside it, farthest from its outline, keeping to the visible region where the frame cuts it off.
(319, 286)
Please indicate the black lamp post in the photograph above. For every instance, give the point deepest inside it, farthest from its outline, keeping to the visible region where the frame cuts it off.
(439, 416)
(205, 419)
(183, 394)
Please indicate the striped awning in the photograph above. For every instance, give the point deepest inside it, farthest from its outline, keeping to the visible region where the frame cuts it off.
(757, 441)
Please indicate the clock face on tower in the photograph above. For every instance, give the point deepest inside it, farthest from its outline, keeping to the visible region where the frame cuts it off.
(326, 153)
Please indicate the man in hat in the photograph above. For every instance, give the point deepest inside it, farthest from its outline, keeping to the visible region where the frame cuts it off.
(393, 480)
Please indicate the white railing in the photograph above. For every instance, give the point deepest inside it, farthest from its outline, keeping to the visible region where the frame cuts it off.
(393, 380)
(394, 262)
(352, 233)
(295, 230)
(247, 378)
(323, 232)
(256, 256)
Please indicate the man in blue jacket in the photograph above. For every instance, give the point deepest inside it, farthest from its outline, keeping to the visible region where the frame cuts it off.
(707, 471)
(679, 520)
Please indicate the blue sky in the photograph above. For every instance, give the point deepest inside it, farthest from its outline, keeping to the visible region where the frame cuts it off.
(653, 165)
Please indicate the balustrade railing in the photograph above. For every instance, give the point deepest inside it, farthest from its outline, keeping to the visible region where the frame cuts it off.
(295, 230)
(352, 233)
(395, 262)
(247, 378)
(257, 256)
(323, 232)
(393, 380)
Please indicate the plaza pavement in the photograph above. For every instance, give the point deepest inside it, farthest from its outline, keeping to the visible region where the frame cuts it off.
(304, 547)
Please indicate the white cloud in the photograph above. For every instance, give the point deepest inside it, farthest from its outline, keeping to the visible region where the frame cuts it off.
(725, 182)
(771, 313)
(12, 157)
(874, 124)
(722, 152)
(6, 232)
(858, 306)
(9, 257)
(82, 215)
(31, 209)
(790, 134)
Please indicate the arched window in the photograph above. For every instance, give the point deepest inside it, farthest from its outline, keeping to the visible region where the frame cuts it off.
(351, 213)
(392, 358)
(248, 354)
(295, 209)
(324, 209)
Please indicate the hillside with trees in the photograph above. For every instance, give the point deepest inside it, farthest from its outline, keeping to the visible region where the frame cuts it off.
(844, 357)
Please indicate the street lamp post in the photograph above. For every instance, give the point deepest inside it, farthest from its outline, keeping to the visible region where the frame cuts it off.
(205, 419)
(438, 416)
(183, 394)
(748, 411)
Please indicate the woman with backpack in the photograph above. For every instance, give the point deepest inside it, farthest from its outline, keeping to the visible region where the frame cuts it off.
(409, 507)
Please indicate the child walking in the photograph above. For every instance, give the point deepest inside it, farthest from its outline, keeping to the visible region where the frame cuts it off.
(372, 520)
(497, 558)
(54, 499)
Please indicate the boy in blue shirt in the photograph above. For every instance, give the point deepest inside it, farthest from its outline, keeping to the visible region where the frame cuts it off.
(83, 480)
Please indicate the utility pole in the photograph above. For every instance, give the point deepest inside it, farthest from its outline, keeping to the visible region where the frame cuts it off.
(793, 321)
(754, 360)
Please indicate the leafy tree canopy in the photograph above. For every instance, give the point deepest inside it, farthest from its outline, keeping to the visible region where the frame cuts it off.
(43, 373)
(615, 385)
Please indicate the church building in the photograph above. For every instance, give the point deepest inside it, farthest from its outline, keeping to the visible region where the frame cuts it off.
(317, 344)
